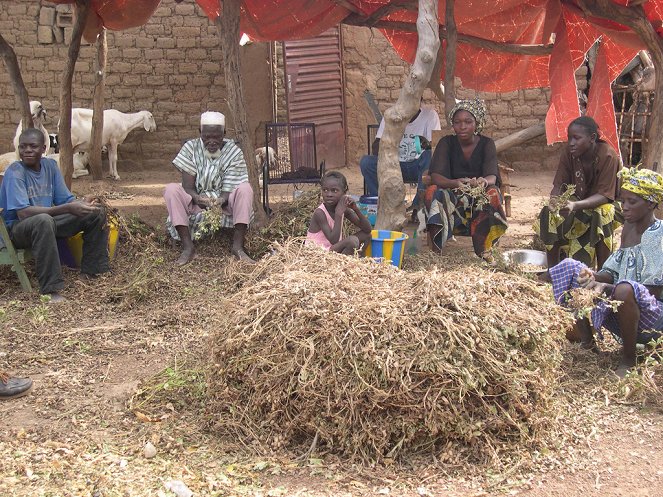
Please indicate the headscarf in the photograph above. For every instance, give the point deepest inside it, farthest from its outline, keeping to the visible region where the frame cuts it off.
(644, 183)
(475, 107)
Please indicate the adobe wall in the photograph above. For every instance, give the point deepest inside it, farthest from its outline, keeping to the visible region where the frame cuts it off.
(371, 63)
(171, 67)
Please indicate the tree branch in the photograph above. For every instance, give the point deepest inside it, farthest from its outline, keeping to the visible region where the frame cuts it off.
(98, 105)
(20, 92)
(390, 178)
(495, 46)
(81, 10)
(228, 27)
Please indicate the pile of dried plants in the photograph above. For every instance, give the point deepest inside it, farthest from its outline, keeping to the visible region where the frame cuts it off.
(377, 363)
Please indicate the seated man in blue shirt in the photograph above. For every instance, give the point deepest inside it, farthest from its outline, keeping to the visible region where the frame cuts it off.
(38, 208)
(414, 152)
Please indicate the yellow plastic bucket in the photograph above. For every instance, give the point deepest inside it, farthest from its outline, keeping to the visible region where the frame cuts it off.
(387, 245)
(75, 244)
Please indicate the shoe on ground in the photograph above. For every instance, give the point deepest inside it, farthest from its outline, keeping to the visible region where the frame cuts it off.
(14, 388)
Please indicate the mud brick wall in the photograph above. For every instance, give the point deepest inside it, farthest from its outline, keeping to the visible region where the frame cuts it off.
(371, 63)
(171, 67)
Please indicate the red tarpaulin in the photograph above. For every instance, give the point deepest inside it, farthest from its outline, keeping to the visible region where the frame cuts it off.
(506, 21)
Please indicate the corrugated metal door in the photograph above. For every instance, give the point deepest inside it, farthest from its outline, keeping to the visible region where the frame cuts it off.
(314, 84)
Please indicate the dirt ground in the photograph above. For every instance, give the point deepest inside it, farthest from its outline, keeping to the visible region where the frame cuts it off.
(98, 368)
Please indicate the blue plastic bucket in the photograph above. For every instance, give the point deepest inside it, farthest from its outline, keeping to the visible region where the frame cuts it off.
(369, 208)
(387, 245)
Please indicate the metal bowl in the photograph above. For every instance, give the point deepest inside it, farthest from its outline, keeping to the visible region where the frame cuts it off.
(526, 256)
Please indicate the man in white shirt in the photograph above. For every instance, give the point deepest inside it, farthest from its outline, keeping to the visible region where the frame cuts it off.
(414, 152)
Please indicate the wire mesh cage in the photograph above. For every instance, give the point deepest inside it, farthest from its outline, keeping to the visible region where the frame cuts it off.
(292, 158)
(633, 113)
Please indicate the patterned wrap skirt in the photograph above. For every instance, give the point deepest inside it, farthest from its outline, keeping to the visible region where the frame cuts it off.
(581, 231)
(459, 214)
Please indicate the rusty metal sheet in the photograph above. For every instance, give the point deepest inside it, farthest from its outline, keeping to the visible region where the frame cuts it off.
(315, 91)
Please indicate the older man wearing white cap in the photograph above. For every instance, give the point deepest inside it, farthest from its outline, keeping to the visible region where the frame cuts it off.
(213, 170)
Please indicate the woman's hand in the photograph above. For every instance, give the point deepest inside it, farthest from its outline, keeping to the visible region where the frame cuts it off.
(568, 208)
(480, 181)
(426, 179)
(586, 278)
(462, 181)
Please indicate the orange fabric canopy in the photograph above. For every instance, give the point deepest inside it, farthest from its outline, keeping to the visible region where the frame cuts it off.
(506, 21)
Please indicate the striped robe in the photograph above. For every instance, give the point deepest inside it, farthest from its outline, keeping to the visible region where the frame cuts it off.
(213, 177)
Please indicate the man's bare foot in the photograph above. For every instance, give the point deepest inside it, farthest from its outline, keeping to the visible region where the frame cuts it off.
(55, 298)
(241, 255)
(544, 277)
(187, 255)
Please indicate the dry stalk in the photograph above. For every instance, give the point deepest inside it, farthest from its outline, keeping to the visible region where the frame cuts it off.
(477, 193)
(555, 203)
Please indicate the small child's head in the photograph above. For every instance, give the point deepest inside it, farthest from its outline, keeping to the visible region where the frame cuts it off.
(333, 186)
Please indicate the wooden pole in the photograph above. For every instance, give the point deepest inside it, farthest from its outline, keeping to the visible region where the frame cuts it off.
(520, 137)
(391, 208)
(450, 59)
(20, 92)
(634, 17)
(228, 26)
(81, 9)
(98, 106)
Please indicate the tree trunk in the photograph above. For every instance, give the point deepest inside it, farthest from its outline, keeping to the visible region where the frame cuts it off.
(229, 34)
(81, 10)
(391, 208)
(20, 93)
(450, 59)
(98, 106)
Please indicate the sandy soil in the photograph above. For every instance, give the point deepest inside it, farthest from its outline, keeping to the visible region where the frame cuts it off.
(75, 434)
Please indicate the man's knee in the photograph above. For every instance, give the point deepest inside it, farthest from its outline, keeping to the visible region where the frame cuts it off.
(42, 222)
(623, 292)
(368, 164)
(244, 190)
(424, 160)
(172, 190)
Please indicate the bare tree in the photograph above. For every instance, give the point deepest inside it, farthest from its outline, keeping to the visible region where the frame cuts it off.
(391, 210)
(228, 26)
(98, 105)
(20, 93)
(81, 9)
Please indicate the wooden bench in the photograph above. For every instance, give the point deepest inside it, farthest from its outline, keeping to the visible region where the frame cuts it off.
(10, 256)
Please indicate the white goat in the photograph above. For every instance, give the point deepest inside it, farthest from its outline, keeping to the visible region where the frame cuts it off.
(81, 160)
(6, 160)
(262, 153)
(117, 126)
(38, 115)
